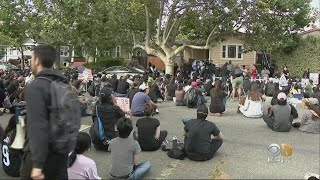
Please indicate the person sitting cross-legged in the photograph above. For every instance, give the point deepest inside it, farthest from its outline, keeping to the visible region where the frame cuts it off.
(80, 166)
(202, 137)
(124, 154)
(150, 137)
(280, 117)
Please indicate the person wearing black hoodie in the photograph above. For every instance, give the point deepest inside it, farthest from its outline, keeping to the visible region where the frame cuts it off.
(39, 160)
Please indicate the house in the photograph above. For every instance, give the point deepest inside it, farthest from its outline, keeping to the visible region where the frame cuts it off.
(28, 45)
(229, 49)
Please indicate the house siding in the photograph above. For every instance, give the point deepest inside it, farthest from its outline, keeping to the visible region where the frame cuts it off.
(199, 54)
(248, 59)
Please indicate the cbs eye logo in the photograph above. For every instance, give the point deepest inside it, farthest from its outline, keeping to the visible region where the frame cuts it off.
(280, 154)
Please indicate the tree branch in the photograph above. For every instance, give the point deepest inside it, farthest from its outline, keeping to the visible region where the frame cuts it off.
(160, 22)
(198, 47)
(179, 49)
(171, 15)
(134, 39)
(175, 24)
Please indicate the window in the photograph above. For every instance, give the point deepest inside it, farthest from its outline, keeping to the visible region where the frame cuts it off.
(224, 51)
(231, 52)
(239, 52)
(118, 51)
(64, 51)
(107, 53)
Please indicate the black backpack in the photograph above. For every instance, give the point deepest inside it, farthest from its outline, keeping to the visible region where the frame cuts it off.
(64, 116)
(191, 98)
(237, 72)
(177, 150)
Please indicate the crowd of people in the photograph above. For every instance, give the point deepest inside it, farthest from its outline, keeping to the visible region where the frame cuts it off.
(259, 95)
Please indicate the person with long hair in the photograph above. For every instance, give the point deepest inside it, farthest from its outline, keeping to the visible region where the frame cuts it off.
(218, 99)
(310, 119)
(80, 166)
(252, 106)
(279, 117)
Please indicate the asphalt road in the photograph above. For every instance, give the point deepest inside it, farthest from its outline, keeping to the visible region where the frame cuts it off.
(243, 154)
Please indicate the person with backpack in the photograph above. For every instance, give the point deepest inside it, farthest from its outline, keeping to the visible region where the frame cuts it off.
(108, 113)
(53, 119)
(194, 97)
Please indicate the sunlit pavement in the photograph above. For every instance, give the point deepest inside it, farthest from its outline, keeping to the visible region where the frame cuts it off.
(244, 153)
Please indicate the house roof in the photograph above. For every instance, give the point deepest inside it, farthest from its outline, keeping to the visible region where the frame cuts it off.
(309, 31)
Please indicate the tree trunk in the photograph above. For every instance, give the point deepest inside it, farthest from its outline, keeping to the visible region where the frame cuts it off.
(22, 58)
(169, 66)
(57, 62)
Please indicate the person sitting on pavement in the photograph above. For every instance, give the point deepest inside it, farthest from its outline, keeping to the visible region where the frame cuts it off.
(279, 117)
(251, 106)
(123, 87)
(218, 99)
(194, 97)
(140, 99)
(310, 120)
(150, 137)
(179, 96)
(114, 82)
(170, 89)
(109, 114)
(202, 137)
(11, 158)
(124, 154)
(308, 90)
(80, 166)
(154, 92)
(208, 87)
(316, 92)
(132, 91)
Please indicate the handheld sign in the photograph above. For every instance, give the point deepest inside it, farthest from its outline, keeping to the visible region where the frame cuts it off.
(124, 104)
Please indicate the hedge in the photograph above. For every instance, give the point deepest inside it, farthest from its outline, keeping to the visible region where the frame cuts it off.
(104, 62)
(306, 55)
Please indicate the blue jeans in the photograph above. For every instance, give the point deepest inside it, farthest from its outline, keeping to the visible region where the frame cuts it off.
(140, 170)
(225, 102)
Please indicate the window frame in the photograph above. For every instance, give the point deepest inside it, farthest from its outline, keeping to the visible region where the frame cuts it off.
(118, 51)
(64, 51)
(226, 53)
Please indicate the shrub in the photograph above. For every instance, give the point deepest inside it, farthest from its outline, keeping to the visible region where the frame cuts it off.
(104, 62)
(306, 55)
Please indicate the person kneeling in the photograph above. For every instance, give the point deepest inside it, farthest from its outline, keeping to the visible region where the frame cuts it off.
(279, 117)
(124, 154)
(150, 137)
(202, 137)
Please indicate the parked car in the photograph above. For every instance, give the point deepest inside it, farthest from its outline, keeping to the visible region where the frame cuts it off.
(7, 67)
(121, 71)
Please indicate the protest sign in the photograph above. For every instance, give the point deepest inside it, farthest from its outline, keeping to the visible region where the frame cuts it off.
(123, 103)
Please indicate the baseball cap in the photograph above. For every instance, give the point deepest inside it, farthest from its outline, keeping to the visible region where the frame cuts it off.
(105, 93)
(143, 87)
(282, 96)
(194, 84)
(108, 76)
(202, 109)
